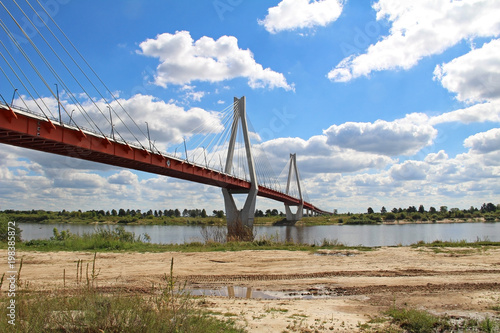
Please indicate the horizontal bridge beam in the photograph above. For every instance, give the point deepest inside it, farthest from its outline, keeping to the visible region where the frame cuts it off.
(30, 131)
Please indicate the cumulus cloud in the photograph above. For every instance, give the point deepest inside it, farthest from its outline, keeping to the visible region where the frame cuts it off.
(124, 177)
(485, 142)
(183, 60)
(316, 156)
(296, 14)
(435, 158)
(168, 123)
(404, 136)
(478, 113)
(420, 29)
(475, 76)
(409, 170)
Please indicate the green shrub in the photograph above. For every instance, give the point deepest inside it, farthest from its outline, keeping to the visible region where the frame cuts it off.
(4, 230)
(417, 321)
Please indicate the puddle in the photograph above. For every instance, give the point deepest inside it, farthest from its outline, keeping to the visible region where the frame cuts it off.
(335, 253)
(249, 292)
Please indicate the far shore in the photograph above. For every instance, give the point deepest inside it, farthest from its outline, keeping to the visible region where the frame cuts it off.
(310, 221)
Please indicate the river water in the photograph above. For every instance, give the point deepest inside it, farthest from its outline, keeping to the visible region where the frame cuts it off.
(352, 235)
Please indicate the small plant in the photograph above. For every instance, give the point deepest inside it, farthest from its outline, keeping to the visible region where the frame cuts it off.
(414, 320)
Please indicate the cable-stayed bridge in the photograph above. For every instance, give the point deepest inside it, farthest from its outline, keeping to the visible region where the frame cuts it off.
(36, 62)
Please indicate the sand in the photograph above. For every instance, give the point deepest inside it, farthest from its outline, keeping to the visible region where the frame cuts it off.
(327, 291)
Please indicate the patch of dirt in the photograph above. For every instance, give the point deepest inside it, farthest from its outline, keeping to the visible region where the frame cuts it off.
(343, 291)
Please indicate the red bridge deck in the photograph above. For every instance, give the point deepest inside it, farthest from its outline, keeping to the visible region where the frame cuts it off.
(23, 129)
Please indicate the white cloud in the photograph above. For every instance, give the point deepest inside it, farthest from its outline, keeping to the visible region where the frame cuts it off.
(484, 142)
(475, 76)
(316, 156)
(296, 14)
(183, 60)
(168, 123)
(477, 113)
(124, 177)
(435, 158)
(404, 136)
(409, 170)
(420, 29)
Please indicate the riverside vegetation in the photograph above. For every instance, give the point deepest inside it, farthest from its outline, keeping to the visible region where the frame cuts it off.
(168, 307)
(486, 213)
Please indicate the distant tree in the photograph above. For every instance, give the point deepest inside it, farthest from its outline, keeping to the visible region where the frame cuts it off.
(218, 213)
(370, 210)
(177, 213)
(113, 212)
(203, 213)
(390, 217)
(443, 209)
(185, 213)
(122, 212)
(421, 209)
(383, 210)
(259, 213)
(412, 209)
(268, 212)
(275, 212)
(149, 212)
(335, 212)
(394, 210)
(487, 208)
(432, 210)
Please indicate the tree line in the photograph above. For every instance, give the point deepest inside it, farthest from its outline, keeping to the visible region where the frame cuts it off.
(487, 210)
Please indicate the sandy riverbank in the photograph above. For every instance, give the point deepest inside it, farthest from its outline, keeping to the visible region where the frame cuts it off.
(349, 287)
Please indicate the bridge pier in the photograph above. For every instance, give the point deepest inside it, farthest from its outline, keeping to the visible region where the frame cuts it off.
(240, 221)
(292, 218)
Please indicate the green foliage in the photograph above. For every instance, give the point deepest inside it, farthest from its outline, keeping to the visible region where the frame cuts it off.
(102, 239)
(420, 321)
(169, 309)
(4, 230)
(119, 240)
(417, 321)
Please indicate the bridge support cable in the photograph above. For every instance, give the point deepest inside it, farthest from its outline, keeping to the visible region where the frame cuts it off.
(37, 71)
(240, 221)
(293, 170)
(94, 124)
(115, 99)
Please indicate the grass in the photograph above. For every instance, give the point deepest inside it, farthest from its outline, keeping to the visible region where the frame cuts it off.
(118, 239)
(138, 218)
(421, 321)
(169, 308)
(443, 246)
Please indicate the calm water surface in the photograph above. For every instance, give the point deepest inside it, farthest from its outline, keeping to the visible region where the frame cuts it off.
(366, 235)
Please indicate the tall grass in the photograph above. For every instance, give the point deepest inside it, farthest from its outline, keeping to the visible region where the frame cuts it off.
(168, 308)
(102, 239)
(119, 239)
(421, 321)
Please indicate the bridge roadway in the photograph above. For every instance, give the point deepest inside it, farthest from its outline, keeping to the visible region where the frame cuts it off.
(28, 130)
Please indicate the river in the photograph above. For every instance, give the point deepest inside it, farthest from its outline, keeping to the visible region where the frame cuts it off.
(352, 235)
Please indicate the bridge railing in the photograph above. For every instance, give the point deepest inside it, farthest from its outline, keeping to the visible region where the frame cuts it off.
(69, 125)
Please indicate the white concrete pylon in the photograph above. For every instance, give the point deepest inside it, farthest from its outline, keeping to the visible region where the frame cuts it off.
(294, 217)
(240, 222)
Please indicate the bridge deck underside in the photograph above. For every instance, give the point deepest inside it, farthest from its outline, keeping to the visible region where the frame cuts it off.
(19, 129)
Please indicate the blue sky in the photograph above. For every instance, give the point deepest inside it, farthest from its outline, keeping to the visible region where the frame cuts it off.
(386, 103)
